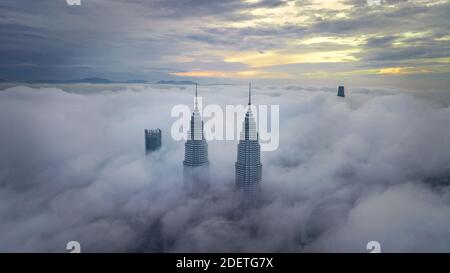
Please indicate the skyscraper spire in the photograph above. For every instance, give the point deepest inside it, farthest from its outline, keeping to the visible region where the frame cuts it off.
(195, 164)
(249, 93)
(196, 100)
(248, 166)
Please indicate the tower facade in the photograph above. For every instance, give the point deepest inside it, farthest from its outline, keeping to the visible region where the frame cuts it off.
(196, 163)
(152, 140)
(248, 165)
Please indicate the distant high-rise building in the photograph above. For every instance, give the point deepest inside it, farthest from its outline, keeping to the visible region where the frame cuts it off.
(248, 165)
(196, 164)
(152, 140)
(341, 91)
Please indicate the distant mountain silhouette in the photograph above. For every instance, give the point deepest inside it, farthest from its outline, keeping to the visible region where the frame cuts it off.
(96, 80)
(93, 80)
(85, 80)
(177, 82)
(45, 81)
(2, 80)
(136, 81)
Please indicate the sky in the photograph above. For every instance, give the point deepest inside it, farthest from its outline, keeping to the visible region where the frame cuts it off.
(389, 43)
(371, 167)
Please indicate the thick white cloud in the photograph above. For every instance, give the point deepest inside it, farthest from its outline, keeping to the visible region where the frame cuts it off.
(407, 218)
(372, 166)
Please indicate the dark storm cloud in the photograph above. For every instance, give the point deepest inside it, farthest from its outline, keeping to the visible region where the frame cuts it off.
(242, 39)
(201, 8)
(388, 48)
(362, 21)
(419, 51)
(410, 53)
(73, 168)
(100, 34)
(263, 37)
(381, 42)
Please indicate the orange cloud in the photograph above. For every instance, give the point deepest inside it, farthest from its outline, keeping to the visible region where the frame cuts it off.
(392, 70)
(274, 58)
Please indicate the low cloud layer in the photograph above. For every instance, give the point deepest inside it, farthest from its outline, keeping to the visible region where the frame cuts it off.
(372, 166)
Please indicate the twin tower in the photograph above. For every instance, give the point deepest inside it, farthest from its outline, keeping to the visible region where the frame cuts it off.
(248, 166)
